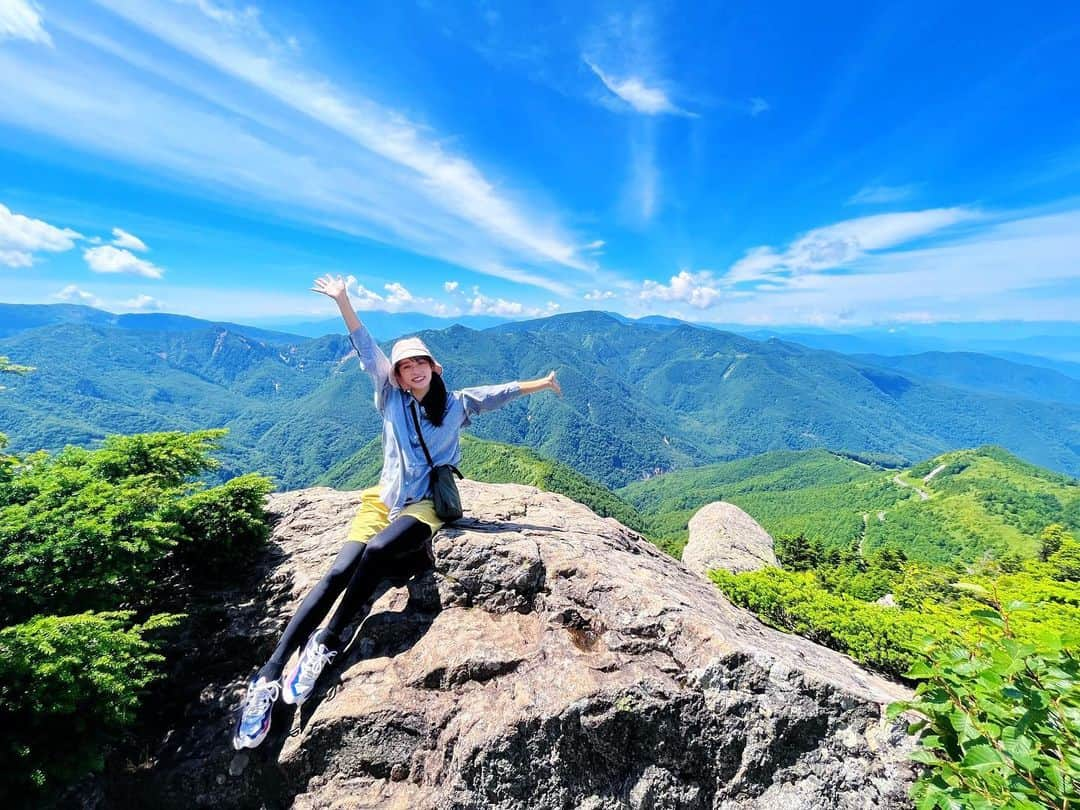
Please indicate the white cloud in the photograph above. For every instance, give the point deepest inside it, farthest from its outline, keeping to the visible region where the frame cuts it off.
(142, 303)
(397, 298)
(699, 290)
(595, 245)
(450, 286)
(1018, 268)
(599, 295)
(874, 195)
(109, 259)
(21, 237)
(843, 243)
(22, 20)
(72, 293)
(646, 99)
(400, 185)
(482, 305)
(122, 238)
(758, 106)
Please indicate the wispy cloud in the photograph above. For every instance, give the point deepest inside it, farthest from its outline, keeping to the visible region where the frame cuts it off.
(366, 169)
(641, 96)
(1001, 266)
(109, 259)
(843, 243)
(758, 106)
(123, 239)
(21, 237)
(876, 195)
(438, 175)
(20, 19)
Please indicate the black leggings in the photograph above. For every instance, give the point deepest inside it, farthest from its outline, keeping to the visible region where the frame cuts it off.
(398, 551)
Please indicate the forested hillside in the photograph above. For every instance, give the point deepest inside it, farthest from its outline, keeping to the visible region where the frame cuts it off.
(638, 400)
(957, 506)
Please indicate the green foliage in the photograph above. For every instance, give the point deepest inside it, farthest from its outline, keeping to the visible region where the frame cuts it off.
(883, 638)
(90, 529)
(68, 686)
(169, 458)
(638, 400)
(980, 503)
(225, 525)
(999, 721)
(1065, 562)
(1050, 540)
(87, 537)
(7, 367)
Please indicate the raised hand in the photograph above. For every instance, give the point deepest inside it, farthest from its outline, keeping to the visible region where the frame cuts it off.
(553, 383)
(333, 286)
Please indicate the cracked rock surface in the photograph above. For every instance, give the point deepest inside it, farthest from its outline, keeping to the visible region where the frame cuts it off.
(554, 659)
(723, 536)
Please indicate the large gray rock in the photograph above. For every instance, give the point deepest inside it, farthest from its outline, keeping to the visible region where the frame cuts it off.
(723, 536)
(555, 659)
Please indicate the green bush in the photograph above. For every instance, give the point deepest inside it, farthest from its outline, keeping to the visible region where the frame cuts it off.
(68, 686)
(101, 530)
(999, 722)
(224, 525)
(884, 638)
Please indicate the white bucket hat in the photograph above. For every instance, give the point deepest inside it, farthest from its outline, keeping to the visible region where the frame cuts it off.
(412, 347)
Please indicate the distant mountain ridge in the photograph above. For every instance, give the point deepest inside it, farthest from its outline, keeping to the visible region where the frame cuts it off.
(639, 399)
(15, 318)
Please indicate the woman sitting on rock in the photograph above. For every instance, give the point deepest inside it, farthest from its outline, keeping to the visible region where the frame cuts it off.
(390, 536)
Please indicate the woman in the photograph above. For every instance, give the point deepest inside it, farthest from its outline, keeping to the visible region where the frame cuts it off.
(390, 535)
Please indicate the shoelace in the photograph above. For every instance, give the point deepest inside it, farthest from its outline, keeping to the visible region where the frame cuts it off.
(260, 699)
(311, 668)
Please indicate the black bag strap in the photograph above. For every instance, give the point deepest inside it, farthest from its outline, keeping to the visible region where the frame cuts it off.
(420, 433)
(423, 444)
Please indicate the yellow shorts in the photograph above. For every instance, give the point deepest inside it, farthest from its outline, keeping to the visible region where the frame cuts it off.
(374, 516)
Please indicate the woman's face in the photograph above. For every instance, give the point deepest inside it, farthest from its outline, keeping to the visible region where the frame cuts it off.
(414, 374)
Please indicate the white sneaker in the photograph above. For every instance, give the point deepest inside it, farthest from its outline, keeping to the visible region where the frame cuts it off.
(312, 661)
(254, 722)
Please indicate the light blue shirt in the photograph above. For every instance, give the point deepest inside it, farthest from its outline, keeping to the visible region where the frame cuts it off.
(405, 475)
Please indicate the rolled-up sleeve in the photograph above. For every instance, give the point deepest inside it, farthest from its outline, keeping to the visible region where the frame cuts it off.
(486, 398)
(374, 362)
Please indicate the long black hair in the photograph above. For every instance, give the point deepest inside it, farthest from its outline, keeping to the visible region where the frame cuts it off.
(434, 401)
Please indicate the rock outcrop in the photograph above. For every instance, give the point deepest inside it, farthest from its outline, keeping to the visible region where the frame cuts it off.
(554, 659)
(723, 536)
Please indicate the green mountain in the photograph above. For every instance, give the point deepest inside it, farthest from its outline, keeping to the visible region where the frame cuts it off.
(964, 504)
(638, 400)
(497, 463)
(15, 318)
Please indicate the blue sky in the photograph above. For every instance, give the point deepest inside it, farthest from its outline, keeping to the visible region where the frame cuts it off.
(765, 163)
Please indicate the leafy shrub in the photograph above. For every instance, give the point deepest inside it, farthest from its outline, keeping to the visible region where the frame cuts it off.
(999, 722)
(884, 638)
(68, 686)
(101, 530)
(1065, 562)
(223, 525)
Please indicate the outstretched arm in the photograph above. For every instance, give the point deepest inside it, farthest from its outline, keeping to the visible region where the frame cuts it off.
(372, 358)
(489, 397)
(336, 288)
(542, 384)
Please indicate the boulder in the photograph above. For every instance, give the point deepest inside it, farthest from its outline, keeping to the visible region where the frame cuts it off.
(723, 536)
(554, 659)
